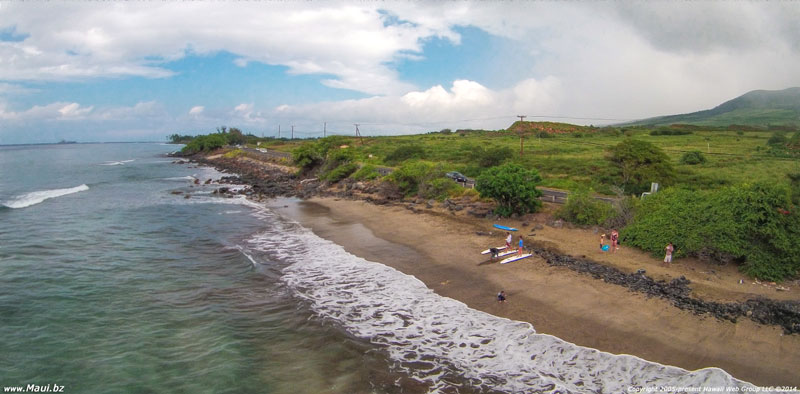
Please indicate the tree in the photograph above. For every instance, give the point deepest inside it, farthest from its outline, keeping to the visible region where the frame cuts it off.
(235, 136)
(693, 157)
(513, 187)
(638, 163)
(491, 156)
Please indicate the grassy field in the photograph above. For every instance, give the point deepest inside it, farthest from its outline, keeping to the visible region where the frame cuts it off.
(575, 155)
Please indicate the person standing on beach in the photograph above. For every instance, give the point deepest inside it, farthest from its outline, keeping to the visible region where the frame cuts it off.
(614, 241)
(669, 249)
(519, 251)
(508, 240)
(602, 241)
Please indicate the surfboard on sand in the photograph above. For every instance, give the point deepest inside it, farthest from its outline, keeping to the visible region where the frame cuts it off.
(515, 258)
(505, 228)
(506, 253)
(487, 251)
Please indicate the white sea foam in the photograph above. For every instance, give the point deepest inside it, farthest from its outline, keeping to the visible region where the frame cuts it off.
(181, 178)
(438, 340)
(117, 163)
(33, 198)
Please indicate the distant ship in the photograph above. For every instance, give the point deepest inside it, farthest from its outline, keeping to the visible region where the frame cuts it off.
(67, 142)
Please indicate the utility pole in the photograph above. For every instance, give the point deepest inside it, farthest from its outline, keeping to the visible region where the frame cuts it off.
(358, 134)
(279, 131)
(292, 131)
(521, 133)
(324, 129)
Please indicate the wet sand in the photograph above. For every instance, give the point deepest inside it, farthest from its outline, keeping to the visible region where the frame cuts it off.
(442, 250)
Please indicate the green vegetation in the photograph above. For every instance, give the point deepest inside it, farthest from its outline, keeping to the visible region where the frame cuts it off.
(582, 208)
(423, 179)
(692, 158)
(756, 108)
(513, 187)
(205, 143)
(405, 152)
(638, 163)
(749, 224)
(367, 172)
(717, 165)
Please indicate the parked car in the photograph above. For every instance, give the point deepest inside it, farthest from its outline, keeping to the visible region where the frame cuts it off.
(456, 176)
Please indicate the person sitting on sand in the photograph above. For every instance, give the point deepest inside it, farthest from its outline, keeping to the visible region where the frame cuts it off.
(501, 296)
(494, 252)
(508, 240)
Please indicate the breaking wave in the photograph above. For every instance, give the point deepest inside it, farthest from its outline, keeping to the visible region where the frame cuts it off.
(33, 198)
(444, 344)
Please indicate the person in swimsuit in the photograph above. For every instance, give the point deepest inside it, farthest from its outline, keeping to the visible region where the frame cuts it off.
(668, 256)
(614, 241)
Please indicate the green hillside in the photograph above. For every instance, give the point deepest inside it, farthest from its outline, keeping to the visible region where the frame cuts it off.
(759, 108)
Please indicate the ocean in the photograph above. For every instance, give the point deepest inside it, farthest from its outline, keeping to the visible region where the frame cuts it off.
(112, 281)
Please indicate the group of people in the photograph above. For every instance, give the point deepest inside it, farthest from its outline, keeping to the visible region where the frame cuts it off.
(614, 238)
(509, 240)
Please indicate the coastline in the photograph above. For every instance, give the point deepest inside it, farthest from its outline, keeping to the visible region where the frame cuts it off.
(556, 300)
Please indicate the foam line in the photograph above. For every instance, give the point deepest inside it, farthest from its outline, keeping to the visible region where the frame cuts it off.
(33, 198)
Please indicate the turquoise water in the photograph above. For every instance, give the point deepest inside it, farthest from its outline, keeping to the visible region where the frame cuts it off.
(126, 287)
(112, 281)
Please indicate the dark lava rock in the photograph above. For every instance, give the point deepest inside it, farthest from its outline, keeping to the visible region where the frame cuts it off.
(762, 310)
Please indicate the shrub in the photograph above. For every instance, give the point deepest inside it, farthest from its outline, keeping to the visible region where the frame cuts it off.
(513, 187)
(307, 156)
(624, 209)
(205, 143)
(582, 208)
(340, 172)
(747, 224)
(411, 174)
(438, 188)
(777, 139)
(638, 163)
(405, 152)
(366, 172)
(491, 156)
(668, 131)
(693, 157)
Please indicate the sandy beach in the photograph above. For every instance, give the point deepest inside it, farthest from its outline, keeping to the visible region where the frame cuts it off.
(443, 250)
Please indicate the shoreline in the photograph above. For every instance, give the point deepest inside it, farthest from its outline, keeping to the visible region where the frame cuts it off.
(558, 301)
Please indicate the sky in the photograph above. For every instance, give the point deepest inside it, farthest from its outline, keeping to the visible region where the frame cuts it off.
(107, 71)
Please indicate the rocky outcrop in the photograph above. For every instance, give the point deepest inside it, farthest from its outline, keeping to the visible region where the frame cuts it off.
(762, 310)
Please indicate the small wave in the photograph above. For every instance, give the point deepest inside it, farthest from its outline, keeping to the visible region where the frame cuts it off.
(437, 340)
(117, 163)
(181, 178)
(33, 198)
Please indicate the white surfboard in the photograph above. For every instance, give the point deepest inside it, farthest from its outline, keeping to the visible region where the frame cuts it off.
(515, 258)
(487, 251)
(506, 253)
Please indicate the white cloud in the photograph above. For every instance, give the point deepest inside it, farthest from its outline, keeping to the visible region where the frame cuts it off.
(69, 40)
(620, 60)
(74, 110)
